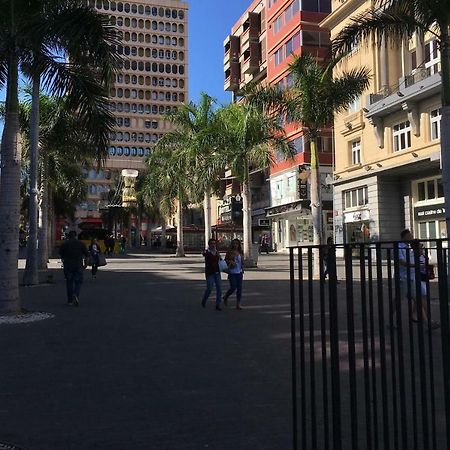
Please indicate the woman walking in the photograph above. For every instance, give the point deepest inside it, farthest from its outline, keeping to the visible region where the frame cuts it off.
(94, 251)
(235, 261)
(212, 273)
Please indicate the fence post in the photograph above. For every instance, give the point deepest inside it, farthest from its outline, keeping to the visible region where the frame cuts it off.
(334, 352)
(293, 349)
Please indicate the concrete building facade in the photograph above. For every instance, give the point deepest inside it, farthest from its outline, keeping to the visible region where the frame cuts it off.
(260, 49)
(387, 174)
(293, 29)
(153, 80)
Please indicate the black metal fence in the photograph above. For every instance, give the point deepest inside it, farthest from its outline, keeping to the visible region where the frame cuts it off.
(371, 346)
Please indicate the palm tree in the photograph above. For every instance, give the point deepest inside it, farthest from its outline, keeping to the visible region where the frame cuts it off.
(197, 133)
(88, 52)
(317, 94)
(65, 147)
(168, 180)
(250, 139)
(65, 45)
(400, 19)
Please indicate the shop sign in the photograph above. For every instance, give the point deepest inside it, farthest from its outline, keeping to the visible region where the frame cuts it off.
(284, 209)
(357, 216)
(264, 222)
(429, 212)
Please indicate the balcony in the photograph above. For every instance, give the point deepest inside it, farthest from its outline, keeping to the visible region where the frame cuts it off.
(232, 76)
(232, 47)
(406, 96)
(410, 89)
(251, 29)
(251, 59)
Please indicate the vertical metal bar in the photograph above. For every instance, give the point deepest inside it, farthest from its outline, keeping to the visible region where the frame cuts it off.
(401, 361)
(430, 358)
(445, 330)
(351, 346)
(323, 336)
(392, 344)
(421, 344)
(411, 306)
(293, 349)
(373, 350)
(381, 324)
(365, 332)
(312, 362)
(301, 311)
(334, 352)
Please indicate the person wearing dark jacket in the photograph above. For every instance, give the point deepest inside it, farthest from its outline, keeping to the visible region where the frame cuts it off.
(212, 273)
(74, 255)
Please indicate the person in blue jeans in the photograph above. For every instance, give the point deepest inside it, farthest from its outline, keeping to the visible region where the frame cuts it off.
(74, 256)
(212, 273)
(235, 261)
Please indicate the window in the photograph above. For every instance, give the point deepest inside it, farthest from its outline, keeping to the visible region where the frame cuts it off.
(402, 136)
(435, 123)
(356, 152)
(354, 106)
(432, 57)
(279, 56)
(279, 189)
(291, 184)
(430, 190)
(356, 197)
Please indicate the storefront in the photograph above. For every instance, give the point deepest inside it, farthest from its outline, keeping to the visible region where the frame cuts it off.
(357, 226)
(428, 208)
(292, 225)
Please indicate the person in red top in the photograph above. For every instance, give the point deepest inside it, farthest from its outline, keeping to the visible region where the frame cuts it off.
(212, 273)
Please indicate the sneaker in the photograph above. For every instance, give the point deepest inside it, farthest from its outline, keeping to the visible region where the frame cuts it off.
(218, 308)
(225, 301)
(203, 304)
(238, 306)
(70, 303)
(76, 302)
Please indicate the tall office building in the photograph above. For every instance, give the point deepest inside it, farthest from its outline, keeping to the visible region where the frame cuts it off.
(152, 81)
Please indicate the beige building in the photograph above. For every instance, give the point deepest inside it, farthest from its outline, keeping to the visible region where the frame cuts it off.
(153, 80)
(387, 170)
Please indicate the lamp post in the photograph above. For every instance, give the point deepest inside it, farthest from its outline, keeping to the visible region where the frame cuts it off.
(129, 199)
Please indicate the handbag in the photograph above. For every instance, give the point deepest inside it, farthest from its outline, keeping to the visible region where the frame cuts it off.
(223, 266)
(101, 260)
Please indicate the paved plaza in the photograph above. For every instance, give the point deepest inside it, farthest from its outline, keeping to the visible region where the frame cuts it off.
(140, 365)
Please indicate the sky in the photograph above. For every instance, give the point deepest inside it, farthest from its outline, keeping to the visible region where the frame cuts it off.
(210, 22)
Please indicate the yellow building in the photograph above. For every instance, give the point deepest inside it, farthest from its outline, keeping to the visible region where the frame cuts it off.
(387, 169)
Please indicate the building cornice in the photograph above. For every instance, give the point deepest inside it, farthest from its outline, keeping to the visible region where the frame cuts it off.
(341, 14)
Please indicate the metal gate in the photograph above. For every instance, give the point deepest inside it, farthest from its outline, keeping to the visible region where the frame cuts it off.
(371, 346)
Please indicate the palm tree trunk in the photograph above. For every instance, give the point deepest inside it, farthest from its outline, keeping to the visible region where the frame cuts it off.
(43, 219)
(207, 213)
(247, 221)
(445, 125)
(31, 274)
(316, 205)
(180, 237)
(10, 191)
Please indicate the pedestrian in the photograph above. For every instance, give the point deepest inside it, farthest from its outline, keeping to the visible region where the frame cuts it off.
(94, 252)
(212, 273)
(74, 256)
(407, 273)
(235, 262)
(123, 245)
(264, 244)
(329, 258)
(112, 244)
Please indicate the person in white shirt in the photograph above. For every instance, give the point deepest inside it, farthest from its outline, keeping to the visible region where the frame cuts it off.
(407, 274)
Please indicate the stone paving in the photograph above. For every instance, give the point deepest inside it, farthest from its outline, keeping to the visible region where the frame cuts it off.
(140, 365)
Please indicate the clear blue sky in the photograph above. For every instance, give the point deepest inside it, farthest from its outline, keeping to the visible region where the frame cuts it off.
(210, 21)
